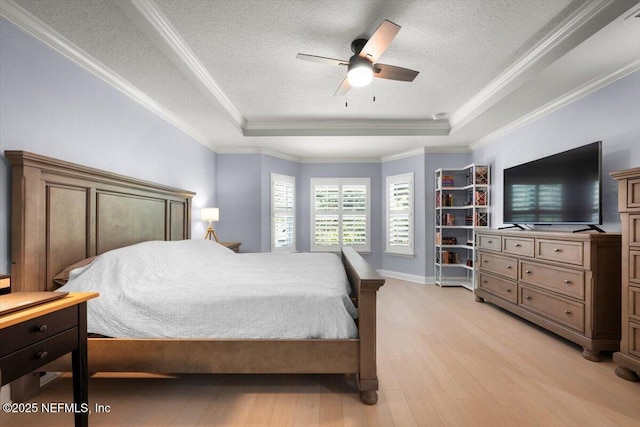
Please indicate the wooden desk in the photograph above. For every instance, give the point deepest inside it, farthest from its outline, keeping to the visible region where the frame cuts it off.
(35, 336)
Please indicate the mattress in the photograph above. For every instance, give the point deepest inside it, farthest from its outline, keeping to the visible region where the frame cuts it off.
(200, 289)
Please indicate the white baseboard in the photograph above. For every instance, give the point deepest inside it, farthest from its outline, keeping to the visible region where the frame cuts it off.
(424, 280)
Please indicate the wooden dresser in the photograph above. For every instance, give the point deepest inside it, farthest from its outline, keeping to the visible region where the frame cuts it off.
(628, 358)
(568, 283)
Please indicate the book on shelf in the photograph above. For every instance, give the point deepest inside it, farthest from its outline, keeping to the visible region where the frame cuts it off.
(448, 219)
(480, 198)
(447, 181)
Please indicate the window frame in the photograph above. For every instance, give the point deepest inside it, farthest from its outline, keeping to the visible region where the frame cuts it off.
(287, 180)
(389, 247)
(340, 182)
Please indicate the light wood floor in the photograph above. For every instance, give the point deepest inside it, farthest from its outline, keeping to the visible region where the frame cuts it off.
(443, 359)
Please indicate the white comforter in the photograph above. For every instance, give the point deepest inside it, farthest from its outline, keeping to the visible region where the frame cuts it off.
(199, 289)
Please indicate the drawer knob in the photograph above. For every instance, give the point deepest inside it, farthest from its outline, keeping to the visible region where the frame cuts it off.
(489, 241)
(484, 281)
(508, 291)
(567, 281)
(527, 297)
(508, 267)
(485, 260)
(41, 328)
(567, 312)
(556, 250)
(517, 245)
(528, 271)
(41, 355)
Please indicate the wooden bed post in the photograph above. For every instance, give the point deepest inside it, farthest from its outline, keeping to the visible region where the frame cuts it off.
(365, 282)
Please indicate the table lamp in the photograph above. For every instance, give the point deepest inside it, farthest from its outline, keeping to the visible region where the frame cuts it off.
(210, 214)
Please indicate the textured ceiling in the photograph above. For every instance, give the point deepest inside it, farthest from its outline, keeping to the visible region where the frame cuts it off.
(226, 69)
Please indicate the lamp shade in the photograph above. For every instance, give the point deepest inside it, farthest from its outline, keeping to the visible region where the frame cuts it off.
(210, 214)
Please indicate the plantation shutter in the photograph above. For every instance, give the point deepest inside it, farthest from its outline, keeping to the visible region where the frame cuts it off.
(283, 208)
(400, 214)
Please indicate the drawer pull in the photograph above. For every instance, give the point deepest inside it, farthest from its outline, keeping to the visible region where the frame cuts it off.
(508, 267)
(41, 328)
(489, 241)
(484, 281)
(486, 260)
(557, 250)
(517, 245)
(567, 281)
(527, 297)
(567, 312)
(508, 291)
(528, 271)
(41, 355)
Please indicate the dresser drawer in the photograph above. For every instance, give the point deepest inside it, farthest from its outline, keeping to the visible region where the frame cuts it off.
(489, 242)
(34, 330)
(633, 193)
(634, 230)
(561, 280)
(560, 251)
(499, 287)
(501, 265)
(634, 303)
(555, 308)
(634, 266)
(36, 355)
(518, 246)
(634, 339)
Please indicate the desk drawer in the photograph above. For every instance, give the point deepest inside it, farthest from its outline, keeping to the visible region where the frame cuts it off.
(518, 246)
(29, 332)
(562, 280)
(502, 288)
(560, 251)
(30, 358)
(559, 310)
(501, 265)
(492, 243)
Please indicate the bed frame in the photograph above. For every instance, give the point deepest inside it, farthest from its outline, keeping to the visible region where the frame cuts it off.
(63, 212)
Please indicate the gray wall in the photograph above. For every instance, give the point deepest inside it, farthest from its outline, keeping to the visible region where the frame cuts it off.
(51, 106)
(610, 115)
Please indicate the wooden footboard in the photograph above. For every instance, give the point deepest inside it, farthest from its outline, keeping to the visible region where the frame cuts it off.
(63, 212)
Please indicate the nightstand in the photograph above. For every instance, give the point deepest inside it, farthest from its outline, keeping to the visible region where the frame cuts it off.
(234, 246)
(32, 337)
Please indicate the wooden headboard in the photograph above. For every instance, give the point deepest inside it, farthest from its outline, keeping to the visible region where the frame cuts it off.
(62, 212)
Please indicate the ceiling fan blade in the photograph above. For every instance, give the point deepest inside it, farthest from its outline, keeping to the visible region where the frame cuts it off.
(380, 40)
(343, 88)
(391, 72)
(321, 59)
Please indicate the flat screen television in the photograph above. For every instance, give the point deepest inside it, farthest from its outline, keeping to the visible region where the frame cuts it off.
(564, 188)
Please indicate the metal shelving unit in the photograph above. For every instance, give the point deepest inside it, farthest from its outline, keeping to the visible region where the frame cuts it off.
(461, 207)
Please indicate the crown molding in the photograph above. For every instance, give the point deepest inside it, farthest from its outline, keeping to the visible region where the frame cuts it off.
(416, 152)
(310, 160)
(157, 27)
(15, 14)
(257, 150)
(569, 97)
(346, 128)
(583, 23)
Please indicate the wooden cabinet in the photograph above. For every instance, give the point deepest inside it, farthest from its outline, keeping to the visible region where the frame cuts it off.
(461, 208)
(628, 358)
(568, 283)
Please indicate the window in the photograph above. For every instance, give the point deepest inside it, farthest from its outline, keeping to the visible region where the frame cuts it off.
(400, 214)
(340, 214)
(283, 213)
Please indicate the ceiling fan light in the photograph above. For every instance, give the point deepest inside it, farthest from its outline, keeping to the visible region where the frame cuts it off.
(360, 71)
(360, 76)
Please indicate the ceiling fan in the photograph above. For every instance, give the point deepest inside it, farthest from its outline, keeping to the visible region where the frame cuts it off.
(362, 66)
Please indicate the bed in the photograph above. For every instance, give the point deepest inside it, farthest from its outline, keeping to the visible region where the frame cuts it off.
(63, 212)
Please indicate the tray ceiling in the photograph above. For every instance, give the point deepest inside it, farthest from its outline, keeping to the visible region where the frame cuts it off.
(225, 71)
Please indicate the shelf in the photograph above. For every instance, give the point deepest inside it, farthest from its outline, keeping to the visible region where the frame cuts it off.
(470, 184)
(455, 266)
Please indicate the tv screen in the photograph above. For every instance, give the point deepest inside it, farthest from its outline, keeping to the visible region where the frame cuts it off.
(564, 188)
